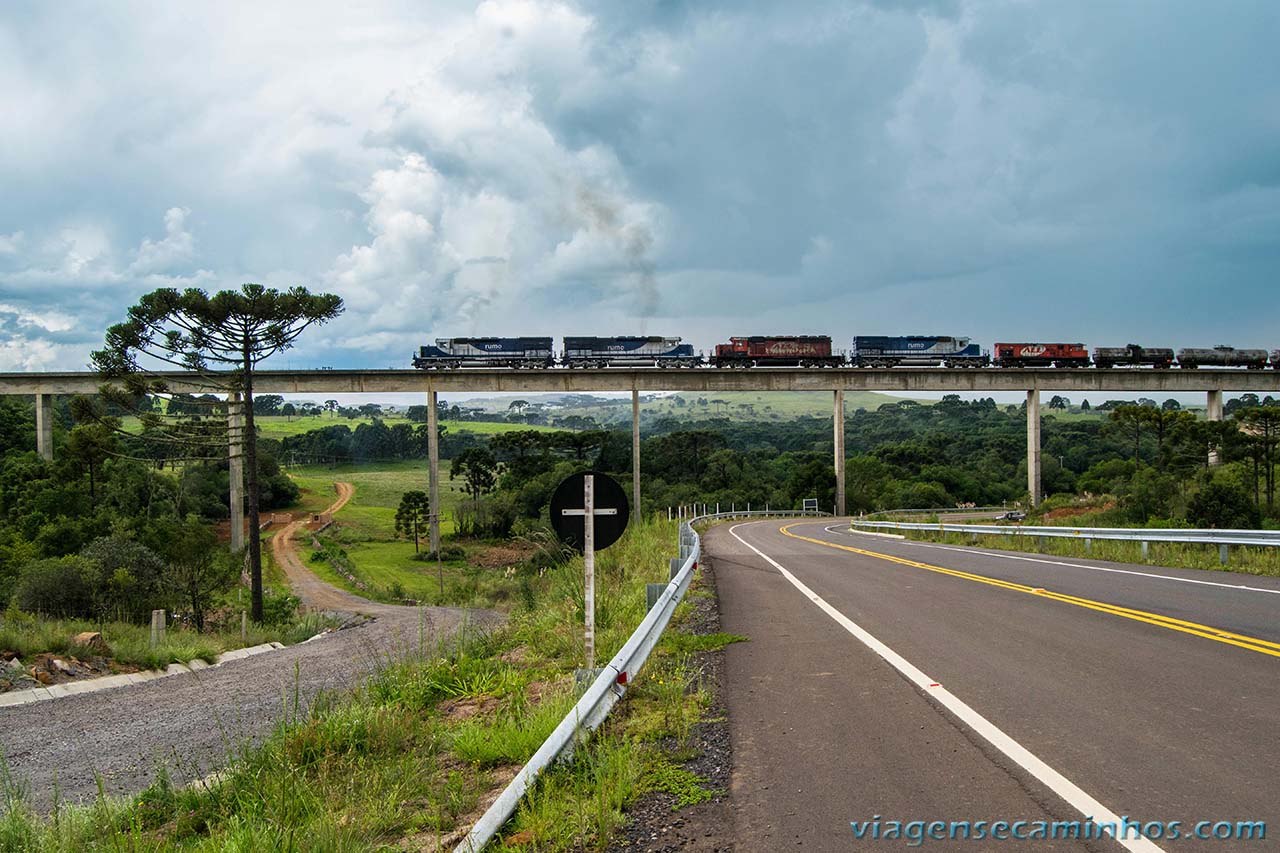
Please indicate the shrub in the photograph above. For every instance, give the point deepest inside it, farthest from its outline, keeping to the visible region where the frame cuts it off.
(60, 586)
(1222, 505)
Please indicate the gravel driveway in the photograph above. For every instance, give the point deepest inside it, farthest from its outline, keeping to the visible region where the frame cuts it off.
(192, 722)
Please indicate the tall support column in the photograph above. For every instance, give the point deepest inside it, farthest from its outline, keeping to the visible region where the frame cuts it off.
(235, 458)
(44, 425)
(635, 454)
(839, 442)
(1215, 414)
(1033, 445)
(433, 469)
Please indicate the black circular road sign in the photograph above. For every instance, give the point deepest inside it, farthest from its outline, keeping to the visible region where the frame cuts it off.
(611, 510)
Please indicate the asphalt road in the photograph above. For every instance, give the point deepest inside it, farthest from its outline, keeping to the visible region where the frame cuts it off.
(918, 682)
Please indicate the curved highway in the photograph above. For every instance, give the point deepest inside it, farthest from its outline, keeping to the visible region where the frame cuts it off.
(888, 680)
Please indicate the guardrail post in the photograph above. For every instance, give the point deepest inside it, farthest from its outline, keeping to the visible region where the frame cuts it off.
(676, 563)
(652, 592)
(1146, 548)
(1088, 545)
(1222, 554)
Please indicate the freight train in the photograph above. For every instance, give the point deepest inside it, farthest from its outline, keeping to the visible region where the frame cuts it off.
(817, 351)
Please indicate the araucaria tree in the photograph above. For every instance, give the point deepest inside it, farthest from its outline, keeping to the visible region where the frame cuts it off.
(413, 513)
(220, 339)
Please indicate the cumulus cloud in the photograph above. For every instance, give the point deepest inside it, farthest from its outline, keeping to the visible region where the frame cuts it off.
(549, 166)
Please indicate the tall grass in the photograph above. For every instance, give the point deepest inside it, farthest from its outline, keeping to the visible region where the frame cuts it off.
(398, 764)
(28, 635)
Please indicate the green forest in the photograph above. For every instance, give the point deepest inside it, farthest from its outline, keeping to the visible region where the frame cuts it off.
(113, 526)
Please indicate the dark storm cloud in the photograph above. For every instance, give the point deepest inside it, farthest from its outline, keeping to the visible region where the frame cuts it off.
(1089, 170)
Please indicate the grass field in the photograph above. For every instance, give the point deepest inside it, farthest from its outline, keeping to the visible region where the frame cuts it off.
(364, 541)
(278, 426)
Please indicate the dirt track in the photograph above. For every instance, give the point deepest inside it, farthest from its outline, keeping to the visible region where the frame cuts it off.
(315, 593)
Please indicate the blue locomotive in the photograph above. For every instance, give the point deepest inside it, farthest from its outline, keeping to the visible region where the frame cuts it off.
(628, 351)
(486, 352)
(917, 350)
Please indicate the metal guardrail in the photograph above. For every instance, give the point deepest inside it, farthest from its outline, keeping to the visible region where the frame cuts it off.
(609, 686)
(1145, 535)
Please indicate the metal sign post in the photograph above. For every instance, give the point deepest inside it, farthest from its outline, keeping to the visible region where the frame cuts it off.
(603, 516)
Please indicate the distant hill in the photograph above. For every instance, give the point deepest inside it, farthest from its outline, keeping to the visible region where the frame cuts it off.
(741, 405)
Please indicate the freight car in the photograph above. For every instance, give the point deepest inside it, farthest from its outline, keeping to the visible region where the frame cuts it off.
(777, 351)
(1275, 359)
(485, 352)
(917, 350)
(1222, 356)
(1133, 356)
(1040, 355)
(628, 352)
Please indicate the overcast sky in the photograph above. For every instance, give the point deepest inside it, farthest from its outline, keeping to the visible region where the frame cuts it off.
(1095, 171)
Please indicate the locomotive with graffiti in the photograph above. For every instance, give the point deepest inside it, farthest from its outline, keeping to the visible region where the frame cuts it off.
(817, 351)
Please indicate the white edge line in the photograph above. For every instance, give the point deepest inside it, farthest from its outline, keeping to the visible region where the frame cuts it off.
(1075, 796)
(834, 529)
(989, 553)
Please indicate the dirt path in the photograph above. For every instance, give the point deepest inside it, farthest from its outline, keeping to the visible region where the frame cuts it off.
(315, 593)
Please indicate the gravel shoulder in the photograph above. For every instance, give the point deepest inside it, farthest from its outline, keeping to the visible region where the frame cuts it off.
(652, 824)
(192, 724)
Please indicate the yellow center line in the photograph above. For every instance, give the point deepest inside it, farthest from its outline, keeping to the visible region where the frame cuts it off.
(1253, 644)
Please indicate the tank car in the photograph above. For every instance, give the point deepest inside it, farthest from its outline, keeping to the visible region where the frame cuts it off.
(1275, 359)
(917, 350)
(1192, 358)
(1133, 355)
(777, 351)
(1040, 355)
(628, 351)
(485, 352)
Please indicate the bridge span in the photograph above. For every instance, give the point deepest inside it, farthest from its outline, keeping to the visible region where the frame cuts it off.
(836, 381)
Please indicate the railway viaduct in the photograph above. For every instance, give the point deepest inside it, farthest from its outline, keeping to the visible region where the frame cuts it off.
(836, 381)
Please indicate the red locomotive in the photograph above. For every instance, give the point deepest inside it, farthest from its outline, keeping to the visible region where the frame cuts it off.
(1040, 355)
(777, 351)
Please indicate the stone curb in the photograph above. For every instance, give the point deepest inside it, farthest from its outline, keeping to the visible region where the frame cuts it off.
(93, 685)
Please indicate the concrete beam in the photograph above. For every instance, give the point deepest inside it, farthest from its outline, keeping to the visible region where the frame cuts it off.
(1214, 414)
(235, 458)
(635, 453)
(838, 420)
(1033, 445)
(901, 380)
(44, 425)
(433, 469)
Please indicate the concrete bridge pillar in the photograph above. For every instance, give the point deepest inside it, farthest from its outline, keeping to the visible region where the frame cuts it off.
(1215, 414)
(433, 468)
(44, 425)
(235, 458)
(1033, 445)
(839, 448)
(635, 454)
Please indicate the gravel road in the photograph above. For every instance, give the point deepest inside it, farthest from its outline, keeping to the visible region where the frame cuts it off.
(191, 723)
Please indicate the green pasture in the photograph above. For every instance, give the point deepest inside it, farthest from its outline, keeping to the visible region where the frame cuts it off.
(279, 426)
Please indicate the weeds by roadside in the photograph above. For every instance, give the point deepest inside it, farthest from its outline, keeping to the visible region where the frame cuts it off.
(406, 761)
